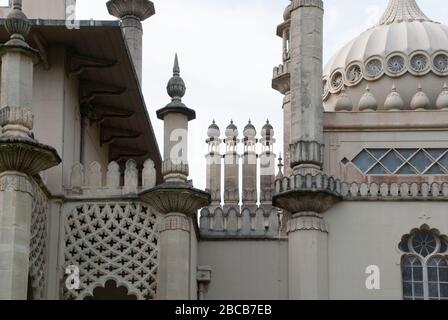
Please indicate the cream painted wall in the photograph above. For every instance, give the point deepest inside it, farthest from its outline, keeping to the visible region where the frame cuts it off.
(368, 233)
(244, 270)
(44, 9)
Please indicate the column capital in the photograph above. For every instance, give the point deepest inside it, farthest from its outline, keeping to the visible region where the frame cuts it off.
(140, 9)
(15, 181)
(307, 3)
(307, 221)
(175, 221)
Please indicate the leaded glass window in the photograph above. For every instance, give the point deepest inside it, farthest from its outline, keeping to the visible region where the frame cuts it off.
(424, 266)
(402, 161)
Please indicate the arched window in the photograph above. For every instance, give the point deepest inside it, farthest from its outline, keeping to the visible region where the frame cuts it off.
(424, 265)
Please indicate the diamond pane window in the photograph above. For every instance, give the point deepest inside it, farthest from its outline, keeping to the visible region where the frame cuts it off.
(421, 161)
(378, 153)
(392, 161)
(364, 161)
(407, 153)
(436, 153)
(429, 161)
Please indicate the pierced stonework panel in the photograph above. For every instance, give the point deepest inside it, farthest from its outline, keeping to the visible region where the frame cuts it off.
(419, 63)
(396, 65)
(337, 80)
(38, 244)
(374, 68)
(440, 62)
(354, 74)
(113, 241)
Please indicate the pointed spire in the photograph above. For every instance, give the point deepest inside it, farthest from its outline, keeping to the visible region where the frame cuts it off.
(402, 10)
(176, 86)
(280, 167)
(176, 69)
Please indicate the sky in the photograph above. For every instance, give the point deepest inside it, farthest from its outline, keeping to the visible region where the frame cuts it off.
(227, 51)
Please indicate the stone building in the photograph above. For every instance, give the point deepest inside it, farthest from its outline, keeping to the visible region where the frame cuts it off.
(90, 209)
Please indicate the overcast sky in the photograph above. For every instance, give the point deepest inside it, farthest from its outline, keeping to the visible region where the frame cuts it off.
(227, 51)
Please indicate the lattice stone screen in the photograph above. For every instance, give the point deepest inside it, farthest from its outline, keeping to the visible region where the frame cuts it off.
(112, 241)
(38, 243)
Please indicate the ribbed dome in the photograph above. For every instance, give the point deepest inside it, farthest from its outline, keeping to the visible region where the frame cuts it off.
(213, 130)
(231, 131)
(249, 131)
(267, 132)
(405, 48)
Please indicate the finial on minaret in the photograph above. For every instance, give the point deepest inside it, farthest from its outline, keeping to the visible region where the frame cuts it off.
(176, 86)
(176, 69)
(17, 25)
(280, 167)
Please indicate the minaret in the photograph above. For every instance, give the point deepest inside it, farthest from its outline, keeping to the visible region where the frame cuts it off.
(214, 157)
(250, 192)
(132, 13)
(231, 167)
(309, 193)
(305, 67)
(267, 164)
(281, 82)
(175, 198)
(21, 158)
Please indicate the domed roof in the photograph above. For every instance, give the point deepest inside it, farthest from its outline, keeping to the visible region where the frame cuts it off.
(249, 131)
(267, 132)
(404, 49)
(231, 131)
(213, 130)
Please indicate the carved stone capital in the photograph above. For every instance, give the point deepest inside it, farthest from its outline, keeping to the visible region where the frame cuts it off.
(306, 193)
(26, 156)
(175, 171)
(16, 121)
(175, 222)
(306, 221)
(141, 9)
(306, 152)
(307, 3)
(14, 181)
(174, 197)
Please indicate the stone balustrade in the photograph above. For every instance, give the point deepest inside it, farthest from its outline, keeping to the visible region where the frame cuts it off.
(240, 223)
(91, 181)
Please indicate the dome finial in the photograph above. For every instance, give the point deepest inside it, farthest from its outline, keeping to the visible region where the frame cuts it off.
(402, 10)
(17, 25)
(420, 100)
(394, 101)
(368, 101)
(442, 100)
(343, 101)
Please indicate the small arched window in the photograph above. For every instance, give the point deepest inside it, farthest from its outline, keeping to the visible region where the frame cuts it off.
(424, 265)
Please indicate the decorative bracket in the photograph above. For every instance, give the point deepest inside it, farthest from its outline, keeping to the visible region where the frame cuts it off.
(77, 63)
(110, 134)
(89, 90)
(42, 45)
(101, 113)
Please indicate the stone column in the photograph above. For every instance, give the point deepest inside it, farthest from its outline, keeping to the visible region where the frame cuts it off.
(231, 168)
(213, 159)
(309, 193)
(132, 13)
(307, 142)
(21, 156)
(249, 170)
(307, 256)
(175, 198)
